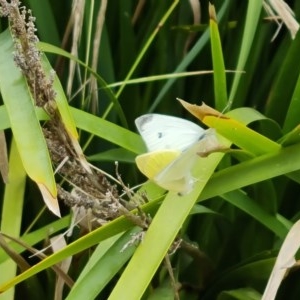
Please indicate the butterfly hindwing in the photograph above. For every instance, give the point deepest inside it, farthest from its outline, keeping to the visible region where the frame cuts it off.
(152, 163)
(177, 174)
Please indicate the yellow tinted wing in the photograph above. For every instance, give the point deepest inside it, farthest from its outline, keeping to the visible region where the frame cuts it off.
(152, 163)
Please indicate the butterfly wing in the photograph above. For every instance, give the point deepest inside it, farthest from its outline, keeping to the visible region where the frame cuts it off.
(167, 132)
(152, 163)
(177, 175)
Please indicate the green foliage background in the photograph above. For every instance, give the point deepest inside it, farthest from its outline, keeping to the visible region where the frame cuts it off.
(245, 209)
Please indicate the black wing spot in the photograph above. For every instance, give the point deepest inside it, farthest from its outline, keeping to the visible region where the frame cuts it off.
(201, 137)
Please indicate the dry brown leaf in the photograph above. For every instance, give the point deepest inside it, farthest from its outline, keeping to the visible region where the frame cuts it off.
(285, 260)
(201, 111)
(49, 200)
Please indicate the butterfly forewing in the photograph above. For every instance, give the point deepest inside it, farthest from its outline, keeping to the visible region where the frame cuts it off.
(167, 132)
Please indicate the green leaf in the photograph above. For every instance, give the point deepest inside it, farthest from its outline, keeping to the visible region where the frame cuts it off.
(119, 154)
(163, 228)
(61, 101)
(37, 236)
(112, 97)
(108, 131)
(243, 202)
(187, 60)
(252, 19)
(220, 88)
(241, 135)
(285, 86)
(240, 294)
(11, 218)
(25, 124)
(292, 116)
(106, 261)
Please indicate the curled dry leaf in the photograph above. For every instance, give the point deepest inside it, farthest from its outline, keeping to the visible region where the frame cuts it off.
(201, 111)
(49, 199)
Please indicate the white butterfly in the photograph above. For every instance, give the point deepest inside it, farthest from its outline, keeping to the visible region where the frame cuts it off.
(173, 146)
